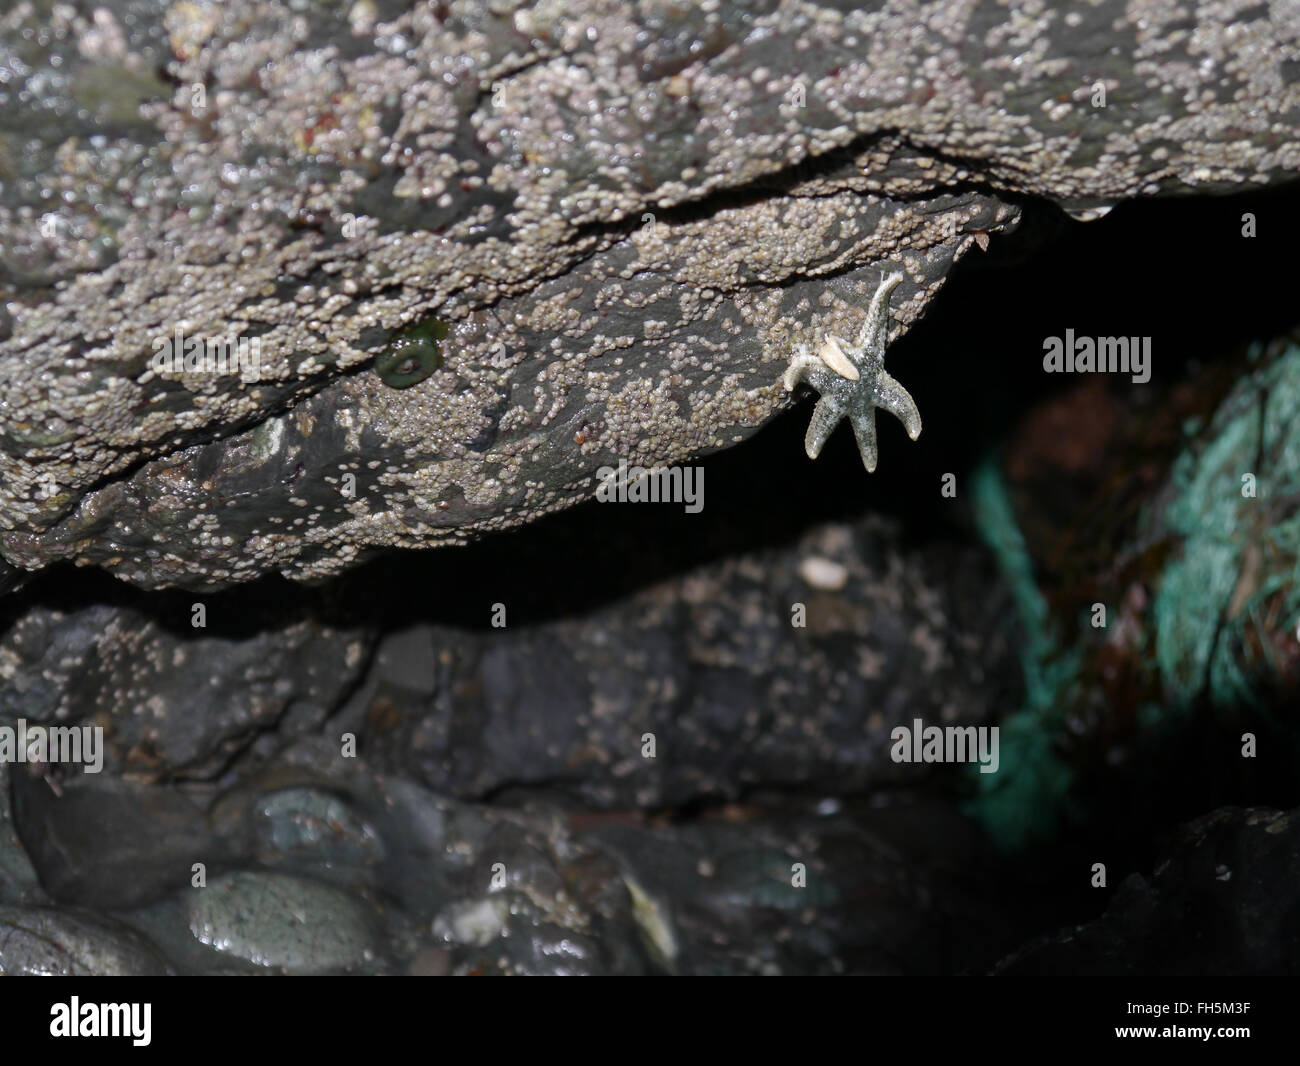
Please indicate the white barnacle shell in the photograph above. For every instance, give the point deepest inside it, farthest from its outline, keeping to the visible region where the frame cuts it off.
(833, 356)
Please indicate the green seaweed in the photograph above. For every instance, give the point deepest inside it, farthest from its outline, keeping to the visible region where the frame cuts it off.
(1025, 799)
(1208, 609)
(413, 355)
(1226, 603)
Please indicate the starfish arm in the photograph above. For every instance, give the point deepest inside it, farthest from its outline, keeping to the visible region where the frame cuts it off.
(864, 428)
(825, 417)
(801, 368)
(892, 397)
(874, 332)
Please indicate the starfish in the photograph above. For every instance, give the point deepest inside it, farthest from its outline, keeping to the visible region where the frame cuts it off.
(853, 383)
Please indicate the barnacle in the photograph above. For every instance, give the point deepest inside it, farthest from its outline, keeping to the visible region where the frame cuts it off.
(414, 354)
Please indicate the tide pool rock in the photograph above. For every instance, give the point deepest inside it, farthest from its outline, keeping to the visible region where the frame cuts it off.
(52, 942)
(282, 922)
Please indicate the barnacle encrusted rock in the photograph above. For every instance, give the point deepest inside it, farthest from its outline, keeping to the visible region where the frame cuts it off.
(627, 214)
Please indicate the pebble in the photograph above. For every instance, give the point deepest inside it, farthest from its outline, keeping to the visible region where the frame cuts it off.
(282, 922)
(50, 942)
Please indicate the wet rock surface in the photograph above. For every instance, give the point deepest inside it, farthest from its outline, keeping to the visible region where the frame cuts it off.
(107, 843)
(786, 669)
(281, 922)
(483, 890)
(19, 883)
(200, 697)
(53, 942)
(359, 841)
(625, 216)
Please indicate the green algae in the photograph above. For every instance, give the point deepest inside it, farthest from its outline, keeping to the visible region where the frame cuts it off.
(1224, 621)
(1026, 798)
(1228, 603)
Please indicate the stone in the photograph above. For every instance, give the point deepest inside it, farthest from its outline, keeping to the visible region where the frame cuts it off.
(624, 244)
(282, 922)
(53, 942)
